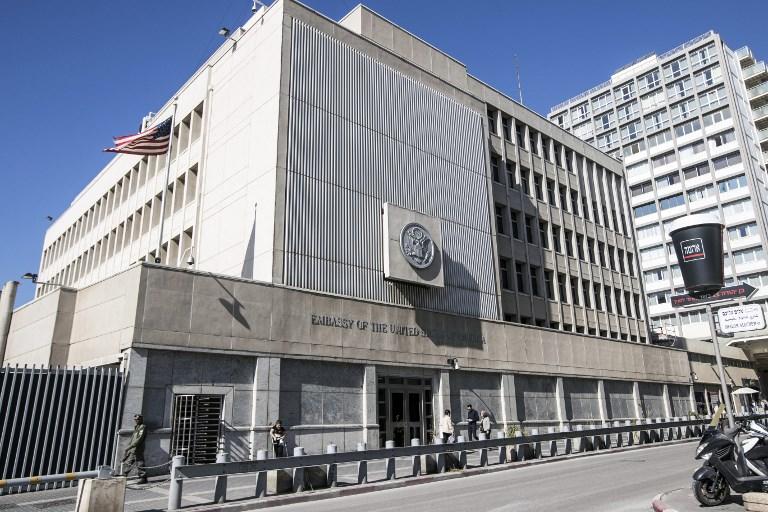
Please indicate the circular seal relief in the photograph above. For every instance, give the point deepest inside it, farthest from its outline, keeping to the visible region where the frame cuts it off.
(416, 245)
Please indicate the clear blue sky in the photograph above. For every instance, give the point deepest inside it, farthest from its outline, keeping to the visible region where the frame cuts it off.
(76, 73)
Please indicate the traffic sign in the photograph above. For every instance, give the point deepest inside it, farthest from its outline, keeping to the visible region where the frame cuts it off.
(748, 317)
(739, 291)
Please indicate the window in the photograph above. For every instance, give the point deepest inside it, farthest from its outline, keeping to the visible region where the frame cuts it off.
(634, 148)
(556, 239)
(732, 183)
(737, 207)
(520, 275)
(653, 100)
(575, 290)
(699, 193)
(591, 249)
(569, 242)
(717, 116)
(602, 101)
(504, 272)
(575, 202)
(597, 292)
(679, 89)
(695, 171)
(619, 306)
(601, 253)
(524, 180)
(684, 129)
(563, 193)
(529, 229)
(663, 159)
(543, 238)
(506, 126)
(629, 132)
(631, 264)
(649, 232)
(637, 169)
(724, 161)
(656, 121)
(713, 98)
(607, 140)
(641, 188)
(708, 77)
(511, 180)
(499, 209)
(612, 257)
(627, 111)
(519, 133)
(655, 276)
(756, 280)
(648, 81)
(620, 257)
(584, 131)
(604, 121)
(675, 68)
(742, 231)
(702, 56)
(677, 274)
(580, 246)
(608, 303)
(691, 150)
(721, 139)
(548, 288)
(671, 202)
(551, 192)
(684, 110)
(561, 287)
(652, 253)
(655, 299)
(495, 169)
(667, 180)
(748, 255)
(545, 142)
(533, 141)
(694, 317)
(625, 91)
(514, 222)
(535, 281)
(537, 186)
(492, 121)
(659, 138)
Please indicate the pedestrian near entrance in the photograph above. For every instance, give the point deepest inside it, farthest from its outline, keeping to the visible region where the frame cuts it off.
(277, 435)
(485, 424)
(134, 453)
(472, 418)
(446, 426)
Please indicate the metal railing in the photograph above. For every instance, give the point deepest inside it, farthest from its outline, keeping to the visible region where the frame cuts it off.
(442, 456)
(102, 473)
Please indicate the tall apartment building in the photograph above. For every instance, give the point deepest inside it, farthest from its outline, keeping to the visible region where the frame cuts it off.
(681, 123)
(755, 74)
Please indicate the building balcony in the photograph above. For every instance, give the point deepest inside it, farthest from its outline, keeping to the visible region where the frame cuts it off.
(758, 91)
(755, 70)
(744, 54)
(762, 135)
(760, 114)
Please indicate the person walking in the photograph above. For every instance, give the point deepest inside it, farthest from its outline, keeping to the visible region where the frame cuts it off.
(485, 424)
(446, 426)
(134, 453)
(472, 419)
(277, 435)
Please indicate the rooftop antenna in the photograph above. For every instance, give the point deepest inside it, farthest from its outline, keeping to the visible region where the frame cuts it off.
(517, 74)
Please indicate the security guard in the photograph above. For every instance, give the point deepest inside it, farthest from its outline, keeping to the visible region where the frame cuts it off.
(134, 453)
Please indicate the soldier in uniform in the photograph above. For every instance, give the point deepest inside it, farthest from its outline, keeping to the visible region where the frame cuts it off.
(134, 453)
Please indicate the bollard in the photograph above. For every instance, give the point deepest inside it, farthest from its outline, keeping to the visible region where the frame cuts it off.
(536, 447)
(333, 474)
(630, 434)
(568, 448)
(462, 453)
(619, 438)
(581, 440)
(390, 468)
(261, 476)
(440, 458)
(482, 436)
(362, 466)
(416, 459)
(220, 489)
(298, 473)
(174, 491)
(502, 449)
(552, 444)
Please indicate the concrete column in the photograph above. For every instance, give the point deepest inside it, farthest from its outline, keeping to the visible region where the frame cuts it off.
(601, 402)
(369, 406)
(636, 399)
(266, 401)
(7, 300)
(508, 400)
(134, 388)
(706, 401)
(691, 399)
(667, 404)
(560, 397)
(444, 396)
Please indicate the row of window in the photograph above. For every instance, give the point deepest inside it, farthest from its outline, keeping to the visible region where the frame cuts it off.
(580, 329)
(570, 289)
(186, 133)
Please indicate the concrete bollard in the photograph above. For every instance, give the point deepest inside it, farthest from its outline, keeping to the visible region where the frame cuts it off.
(619, 435)
(552, 450)
(462, 462)
(439, 458)
(333, 473)
(298, 473)
(630, 435)
(568, 445)
(390, 467)
(174, 491)
(362, 466)
(261, 476)
(581, 441)
(416, 459)
(536, 447)
(483, 452)
(502, 449)
(220, 489)
(101, 494)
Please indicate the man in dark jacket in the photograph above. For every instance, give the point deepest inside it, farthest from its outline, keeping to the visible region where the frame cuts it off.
(134, 453)
(472, 418)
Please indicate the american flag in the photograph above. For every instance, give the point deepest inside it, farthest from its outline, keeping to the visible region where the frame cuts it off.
(152, 141)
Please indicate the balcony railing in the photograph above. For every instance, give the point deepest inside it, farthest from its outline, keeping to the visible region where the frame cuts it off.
(754, 70)
(762, 135)
(758, 90)
(760, 113)
(744, 53)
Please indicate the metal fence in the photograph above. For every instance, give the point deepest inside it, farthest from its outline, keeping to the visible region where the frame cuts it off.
(57, 420)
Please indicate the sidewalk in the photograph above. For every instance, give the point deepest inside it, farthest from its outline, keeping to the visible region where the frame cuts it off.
(682, 500)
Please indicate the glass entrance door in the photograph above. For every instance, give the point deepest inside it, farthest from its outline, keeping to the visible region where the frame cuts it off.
(404, 410)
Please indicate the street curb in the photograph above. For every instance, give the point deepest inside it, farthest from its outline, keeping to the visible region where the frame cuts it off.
(352, 490)
(658, 504)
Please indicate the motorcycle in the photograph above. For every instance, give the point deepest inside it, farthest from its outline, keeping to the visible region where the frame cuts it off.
(734, 459)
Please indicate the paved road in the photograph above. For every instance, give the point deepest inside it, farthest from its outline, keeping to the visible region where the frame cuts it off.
(619, 482)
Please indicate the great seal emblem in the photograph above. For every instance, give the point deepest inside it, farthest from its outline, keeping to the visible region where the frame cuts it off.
(417, 245)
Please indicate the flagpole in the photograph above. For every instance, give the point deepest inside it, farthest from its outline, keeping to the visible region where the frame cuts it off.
(165, 187)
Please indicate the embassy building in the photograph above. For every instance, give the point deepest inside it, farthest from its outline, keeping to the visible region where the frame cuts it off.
(356, 234)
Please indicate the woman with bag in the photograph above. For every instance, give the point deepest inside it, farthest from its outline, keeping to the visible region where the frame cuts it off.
(446, 426)
(277, 435)
(485, 424)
